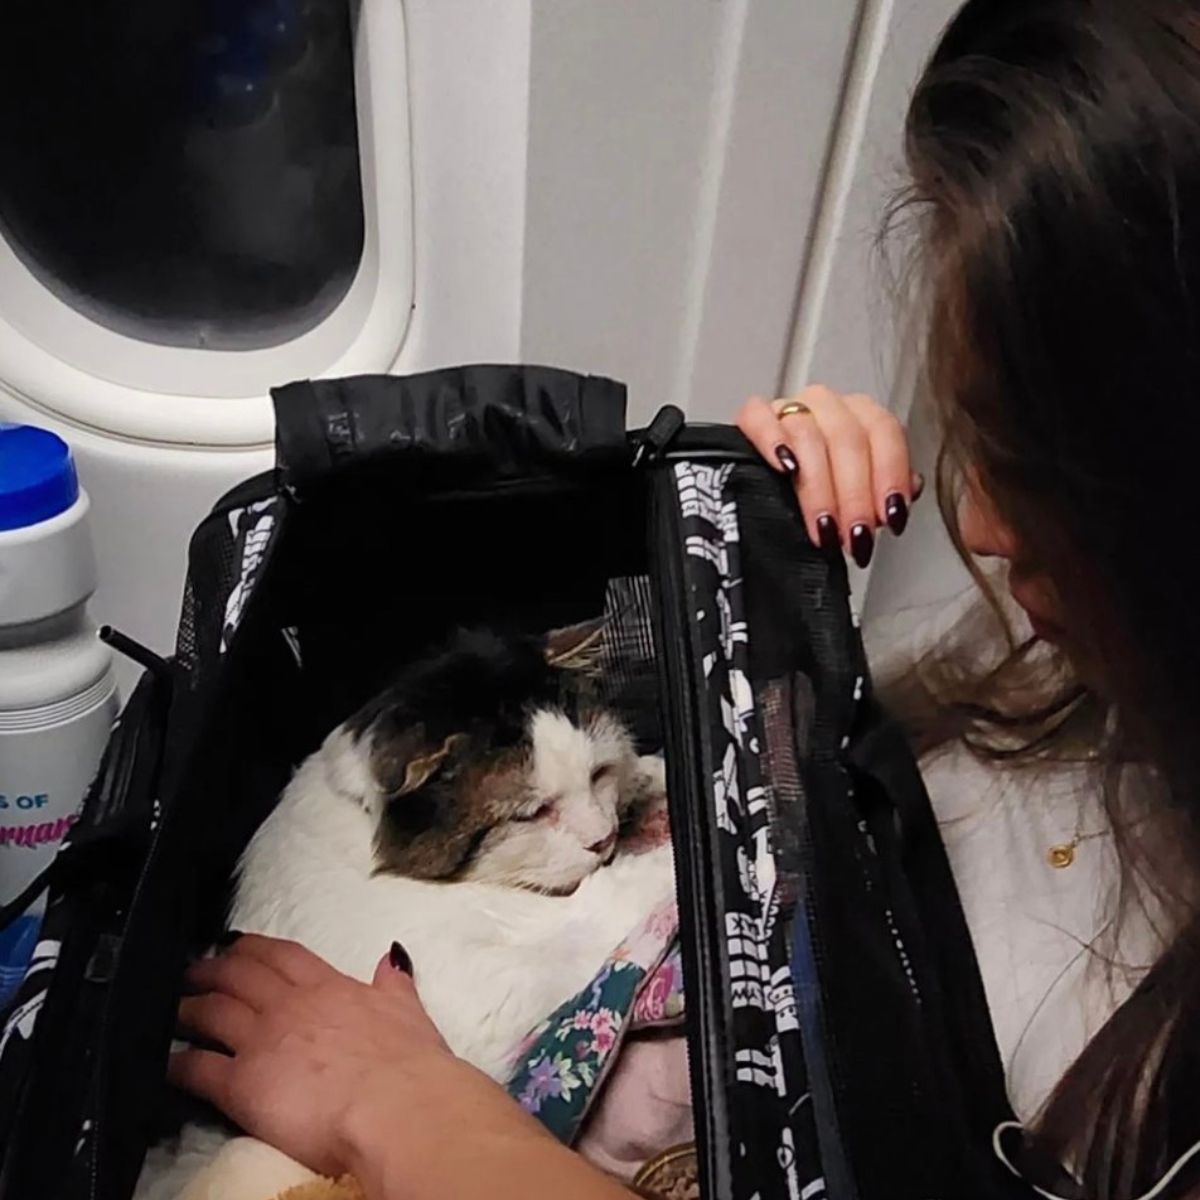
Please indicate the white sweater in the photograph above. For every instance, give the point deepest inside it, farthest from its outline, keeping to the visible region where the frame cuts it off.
(1032, 923)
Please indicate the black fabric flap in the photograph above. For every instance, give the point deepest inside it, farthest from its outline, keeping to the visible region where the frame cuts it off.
(515, 419)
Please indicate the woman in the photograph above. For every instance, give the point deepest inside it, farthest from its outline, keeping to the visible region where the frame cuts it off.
(1054, 147)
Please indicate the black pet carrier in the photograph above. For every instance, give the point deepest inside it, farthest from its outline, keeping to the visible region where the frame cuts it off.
(837, 1030)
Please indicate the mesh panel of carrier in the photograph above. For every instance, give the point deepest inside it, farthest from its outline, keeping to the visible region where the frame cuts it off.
(628, 681)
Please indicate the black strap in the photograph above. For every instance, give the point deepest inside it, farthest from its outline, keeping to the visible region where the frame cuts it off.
(119, 839)
(509, 417)
(27, 895)
(882, 753)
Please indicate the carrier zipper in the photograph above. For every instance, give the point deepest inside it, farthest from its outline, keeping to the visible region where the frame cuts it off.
(687, 805)
(652, 441)
(258, 487)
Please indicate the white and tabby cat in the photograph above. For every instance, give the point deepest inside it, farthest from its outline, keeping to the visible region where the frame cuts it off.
(472, 812)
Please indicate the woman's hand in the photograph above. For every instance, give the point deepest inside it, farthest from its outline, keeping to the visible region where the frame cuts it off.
(347, 1077)
(322, 1067)
(848, 458)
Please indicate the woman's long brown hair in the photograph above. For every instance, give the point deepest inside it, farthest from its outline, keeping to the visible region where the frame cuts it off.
(1054, 148)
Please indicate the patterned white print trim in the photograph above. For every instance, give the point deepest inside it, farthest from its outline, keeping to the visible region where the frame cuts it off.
(252, 527)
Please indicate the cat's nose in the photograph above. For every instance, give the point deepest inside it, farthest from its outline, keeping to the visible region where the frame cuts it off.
(605, 846)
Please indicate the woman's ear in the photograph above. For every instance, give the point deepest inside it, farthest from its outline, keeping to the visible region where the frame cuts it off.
(576, 647)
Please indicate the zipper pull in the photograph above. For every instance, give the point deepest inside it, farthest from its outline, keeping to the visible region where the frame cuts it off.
(659, 434)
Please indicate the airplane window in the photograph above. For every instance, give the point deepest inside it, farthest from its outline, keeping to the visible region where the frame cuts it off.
(186, 173)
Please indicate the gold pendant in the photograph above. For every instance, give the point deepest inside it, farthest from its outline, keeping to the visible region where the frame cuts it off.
(1061, 857)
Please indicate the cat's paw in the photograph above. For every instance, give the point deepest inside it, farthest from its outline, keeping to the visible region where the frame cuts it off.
(645, 823)
(652, 777)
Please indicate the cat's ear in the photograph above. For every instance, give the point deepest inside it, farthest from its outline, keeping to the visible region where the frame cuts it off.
(576, 647)
(412, 760)
(422, 767)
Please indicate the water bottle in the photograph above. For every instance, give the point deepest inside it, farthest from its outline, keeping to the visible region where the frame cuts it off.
(58, 696)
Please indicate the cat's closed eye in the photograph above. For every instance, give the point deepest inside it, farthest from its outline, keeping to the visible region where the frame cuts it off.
(605, 771)
(537, 813)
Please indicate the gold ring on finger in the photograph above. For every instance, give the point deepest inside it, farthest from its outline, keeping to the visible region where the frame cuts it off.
(793, 408)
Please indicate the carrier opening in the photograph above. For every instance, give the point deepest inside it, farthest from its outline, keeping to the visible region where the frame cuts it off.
(407, 563)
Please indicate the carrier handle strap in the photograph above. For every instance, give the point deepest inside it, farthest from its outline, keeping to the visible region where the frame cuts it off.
(514, 420)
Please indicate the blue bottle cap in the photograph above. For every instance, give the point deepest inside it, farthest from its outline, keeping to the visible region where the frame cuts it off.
(37, 476)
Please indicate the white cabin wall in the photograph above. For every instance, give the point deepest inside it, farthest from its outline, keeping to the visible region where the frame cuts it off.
(619, 108)
(675, 156)
(469, 66)
(768, 158)
(852, 331)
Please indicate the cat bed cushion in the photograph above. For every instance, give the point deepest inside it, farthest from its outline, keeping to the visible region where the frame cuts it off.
(247, 1169)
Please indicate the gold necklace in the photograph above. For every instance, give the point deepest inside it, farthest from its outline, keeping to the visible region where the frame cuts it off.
(1062, 855)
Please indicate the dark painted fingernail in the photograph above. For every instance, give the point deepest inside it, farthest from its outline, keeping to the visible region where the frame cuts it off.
(828, 534)
(896, 510)
(228, 938)
(399, 959)
(918, 482)
(787, 460)
(862, 544)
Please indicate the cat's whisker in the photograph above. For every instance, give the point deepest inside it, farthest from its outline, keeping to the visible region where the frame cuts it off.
(517, 881)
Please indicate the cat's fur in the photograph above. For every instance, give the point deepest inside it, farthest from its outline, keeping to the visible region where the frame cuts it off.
(466, 812)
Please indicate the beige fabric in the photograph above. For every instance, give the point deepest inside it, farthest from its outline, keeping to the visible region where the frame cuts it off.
(247, 1169)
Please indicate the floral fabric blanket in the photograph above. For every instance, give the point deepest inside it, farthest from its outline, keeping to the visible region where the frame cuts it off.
(560, 1067)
